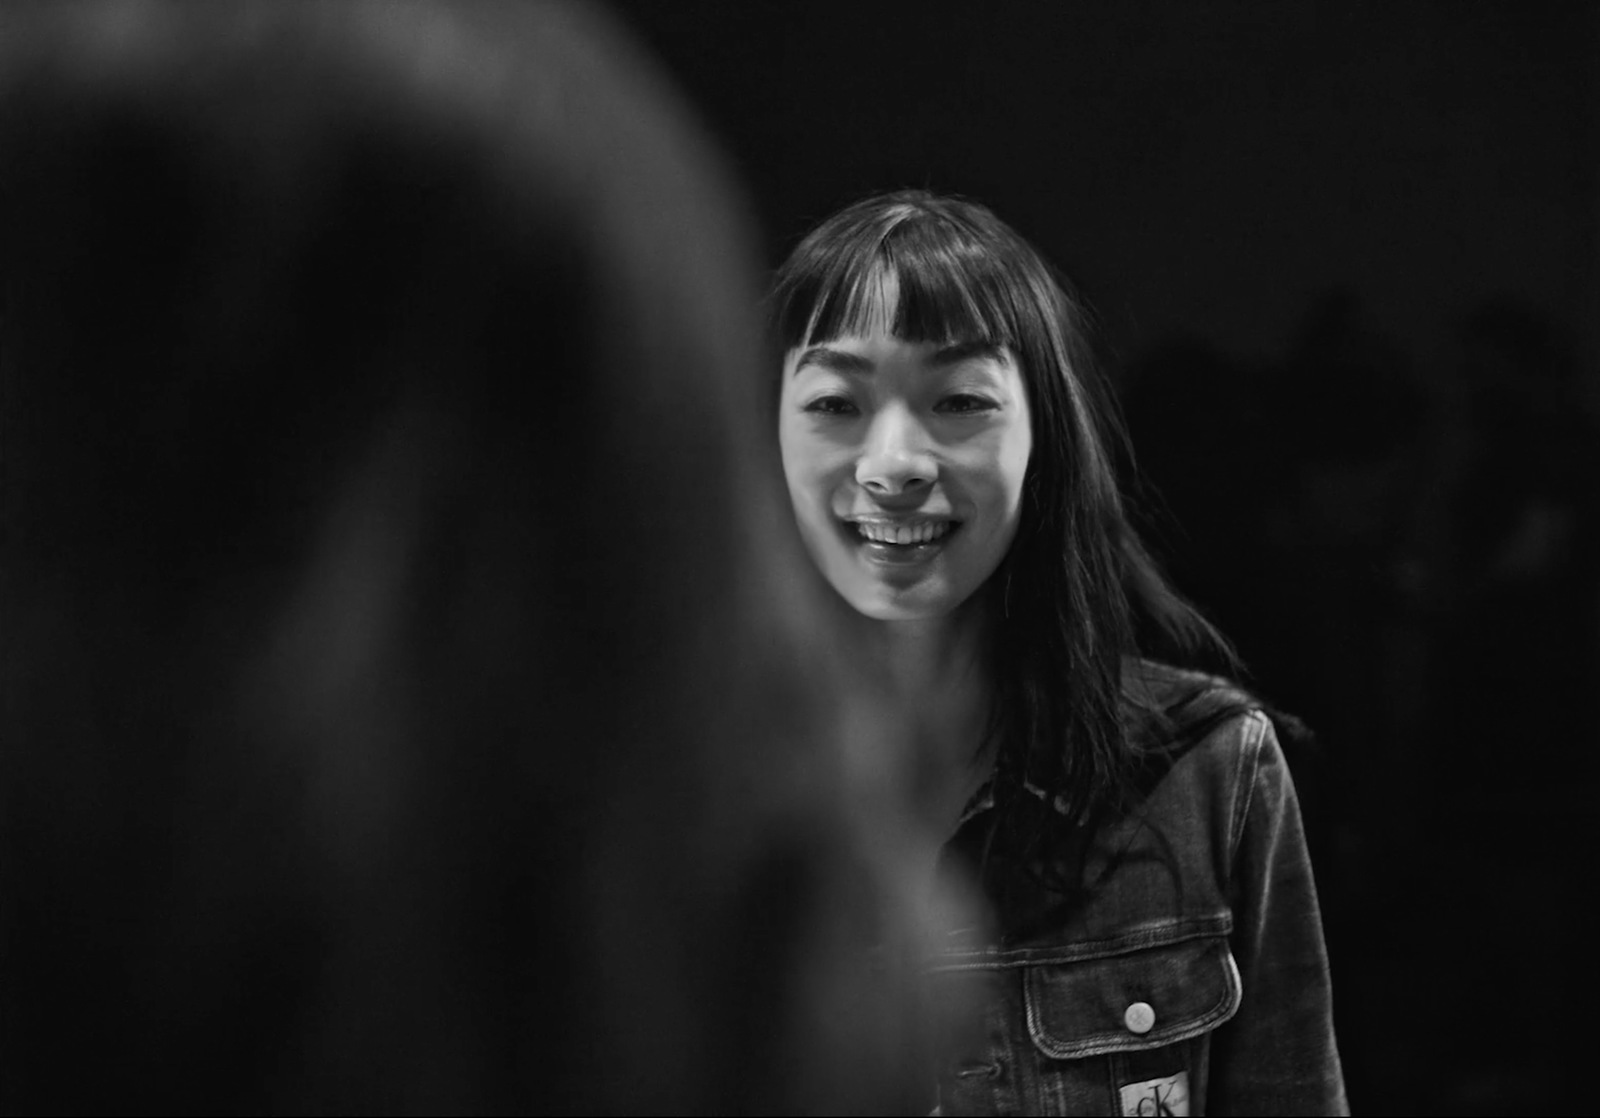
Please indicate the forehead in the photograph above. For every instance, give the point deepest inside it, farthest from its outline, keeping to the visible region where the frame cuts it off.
(910, 299)
(869, 319)
(866, 310)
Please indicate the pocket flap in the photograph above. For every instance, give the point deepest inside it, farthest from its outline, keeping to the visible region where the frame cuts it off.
(1093, 1006)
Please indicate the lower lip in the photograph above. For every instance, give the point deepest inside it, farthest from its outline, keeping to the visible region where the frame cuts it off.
(900, 555)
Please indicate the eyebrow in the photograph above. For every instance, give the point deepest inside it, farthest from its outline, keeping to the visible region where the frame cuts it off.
(834, 360)
(839, 361)
(966, 351)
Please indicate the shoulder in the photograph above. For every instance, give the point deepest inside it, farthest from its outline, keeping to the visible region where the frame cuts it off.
(1173, 709)
(1199, 736)
(1209, 740)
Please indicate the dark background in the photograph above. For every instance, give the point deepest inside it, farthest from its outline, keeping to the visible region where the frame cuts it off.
(1344, 261)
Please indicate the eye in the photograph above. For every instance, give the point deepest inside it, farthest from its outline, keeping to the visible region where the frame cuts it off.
(830, 405)
(965, 403)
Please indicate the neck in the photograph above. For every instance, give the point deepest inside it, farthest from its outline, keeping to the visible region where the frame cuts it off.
(920, 658)
(935, 673)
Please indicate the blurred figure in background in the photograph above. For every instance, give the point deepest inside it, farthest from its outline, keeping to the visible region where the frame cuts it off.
(1517, 554)
(410, 678)
(1506, 537)
(1420, 584)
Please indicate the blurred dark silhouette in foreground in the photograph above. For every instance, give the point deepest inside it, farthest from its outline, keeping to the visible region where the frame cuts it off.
(410, 681)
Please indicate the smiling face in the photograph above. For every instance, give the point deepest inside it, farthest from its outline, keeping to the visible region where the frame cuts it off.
(905, 463)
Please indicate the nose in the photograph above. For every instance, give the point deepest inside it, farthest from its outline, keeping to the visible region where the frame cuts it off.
(896, 456)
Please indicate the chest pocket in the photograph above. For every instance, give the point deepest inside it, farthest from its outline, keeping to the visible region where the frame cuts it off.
(1132, 1001)
(1126, 1032)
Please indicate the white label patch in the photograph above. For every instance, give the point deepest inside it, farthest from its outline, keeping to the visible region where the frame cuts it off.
(1158, 1098)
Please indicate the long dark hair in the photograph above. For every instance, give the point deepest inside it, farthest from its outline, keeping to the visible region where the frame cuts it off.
(1078, 601)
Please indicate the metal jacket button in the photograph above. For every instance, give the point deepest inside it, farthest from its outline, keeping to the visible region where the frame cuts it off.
(1139, 1018)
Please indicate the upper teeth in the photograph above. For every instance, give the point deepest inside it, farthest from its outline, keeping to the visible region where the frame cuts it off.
(920, 532)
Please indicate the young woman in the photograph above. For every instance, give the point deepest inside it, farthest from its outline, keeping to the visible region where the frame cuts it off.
(1155, 945)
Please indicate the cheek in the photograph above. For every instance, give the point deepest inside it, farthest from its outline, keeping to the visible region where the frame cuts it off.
(792, 450)
(999, 473)
(1015, 453)
(805, 469)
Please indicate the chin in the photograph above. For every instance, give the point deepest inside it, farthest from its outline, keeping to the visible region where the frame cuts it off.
(901, 607)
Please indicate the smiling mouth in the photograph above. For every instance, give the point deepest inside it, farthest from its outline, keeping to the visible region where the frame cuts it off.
(902, 540)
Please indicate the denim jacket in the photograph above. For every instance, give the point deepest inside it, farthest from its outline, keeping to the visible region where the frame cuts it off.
(1189, 977)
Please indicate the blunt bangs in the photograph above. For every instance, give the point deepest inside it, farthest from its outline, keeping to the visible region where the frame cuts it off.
(951, 277)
